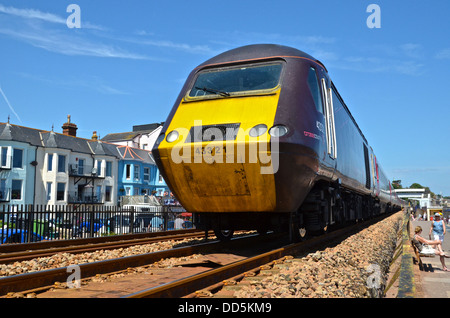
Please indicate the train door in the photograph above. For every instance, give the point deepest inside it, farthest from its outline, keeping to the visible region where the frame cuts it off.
(376, 177)
(367, 166)
(329, 120)
(331, 206)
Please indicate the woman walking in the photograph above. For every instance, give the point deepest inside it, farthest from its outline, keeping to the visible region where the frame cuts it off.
(437, 228)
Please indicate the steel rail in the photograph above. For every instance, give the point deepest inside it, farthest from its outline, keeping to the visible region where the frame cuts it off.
(12, 248)
(90, 247)
(47, 278)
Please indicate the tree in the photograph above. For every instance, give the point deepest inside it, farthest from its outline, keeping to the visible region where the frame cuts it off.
(397, 184)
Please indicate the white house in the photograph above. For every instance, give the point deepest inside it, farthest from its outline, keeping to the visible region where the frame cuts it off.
(47, 168)
(142, 136)
(76, 170)
(17, 164)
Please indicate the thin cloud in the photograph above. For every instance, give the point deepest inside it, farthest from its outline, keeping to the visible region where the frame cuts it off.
(146, 40)
(32, 14)
(91, 83)
(35, 28)
(70, 45)
(9, 105)
(443, 54)
(43, 16)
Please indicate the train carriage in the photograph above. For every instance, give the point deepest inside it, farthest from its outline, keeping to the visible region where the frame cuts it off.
(259, 138)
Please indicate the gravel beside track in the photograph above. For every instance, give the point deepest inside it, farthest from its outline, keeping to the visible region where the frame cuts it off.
(356, 268)
(65, 259)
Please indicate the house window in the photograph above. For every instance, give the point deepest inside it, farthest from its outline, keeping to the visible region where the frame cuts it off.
(49, 191)
(98, 194)
(16, 190)
(81, 167)
(3, 193)
(146, 174)
(161, 179)
(108, 191)
(99, 167)
(108, 169)
(50, 162)
(61, 163)
(136, 191)
(128, 171)
(60, 191)
(137, 172)
(4, 157)
(18, 158)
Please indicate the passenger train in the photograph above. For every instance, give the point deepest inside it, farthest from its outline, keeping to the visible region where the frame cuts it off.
(260, 138)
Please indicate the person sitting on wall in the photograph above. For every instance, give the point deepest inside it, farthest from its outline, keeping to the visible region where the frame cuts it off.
(419, 242)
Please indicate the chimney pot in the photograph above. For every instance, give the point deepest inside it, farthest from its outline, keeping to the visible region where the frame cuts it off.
(69, 129)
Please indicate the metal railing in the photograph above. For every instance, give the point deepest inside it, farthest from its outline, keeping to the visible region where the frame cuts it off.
(27, 223)
(76, 170)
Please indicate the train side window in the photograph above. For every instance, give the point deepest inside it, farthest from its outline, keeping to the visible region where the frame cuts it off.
(313, 84)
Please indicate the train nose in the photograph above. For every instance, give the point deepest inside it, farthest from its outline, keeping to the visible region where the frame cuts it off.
(215, 172)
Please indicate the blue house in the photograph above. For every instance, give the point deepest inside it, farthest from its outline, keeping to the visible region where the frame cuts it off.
(138, 174)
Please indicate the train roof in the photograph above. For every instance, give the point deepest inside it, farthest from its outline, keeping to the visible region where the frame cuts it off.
(258, 51)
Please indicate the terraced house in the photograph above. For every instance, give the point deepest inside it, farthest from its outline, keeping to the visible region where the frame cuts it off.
(44, 167)
(17, 164)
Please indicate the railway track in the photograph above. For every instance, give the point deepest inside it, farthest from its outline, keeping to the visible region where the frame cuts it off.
(43, 280)
(207, 275)
(212, 281)
(21, 252)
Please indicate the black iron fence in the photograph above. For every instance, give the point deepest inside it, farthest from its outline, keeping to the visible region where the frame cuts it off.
(27, 223)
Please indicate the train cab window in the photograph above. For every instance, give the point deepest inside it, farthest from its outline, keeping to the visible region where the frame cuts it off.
(241, 80)
(313, 84)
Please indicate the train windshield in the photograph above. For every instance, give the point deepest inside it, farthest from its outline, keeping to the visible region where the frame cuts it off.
(237, 80)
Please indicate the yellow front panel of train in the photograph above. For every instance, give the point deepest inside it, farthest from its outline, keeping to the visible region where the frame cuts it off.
(222, 176)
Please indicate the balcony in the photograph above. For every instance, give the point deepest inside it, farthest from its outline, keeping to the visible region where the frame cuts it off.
(83, 172)
(4, 195)
(84, 198)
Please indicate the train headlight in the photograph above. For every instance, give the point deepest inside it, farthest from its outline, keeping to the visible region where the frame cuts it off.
(278, 131)
(172, 136)
(258, 130)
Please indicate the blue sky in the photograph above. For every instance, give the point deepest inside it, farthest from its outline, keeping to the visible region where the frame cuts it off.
(127, 63)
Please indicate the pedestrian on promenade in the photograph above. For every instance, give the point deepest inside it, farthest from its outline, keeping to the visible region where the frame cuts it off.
(437, 228)
(419, 241)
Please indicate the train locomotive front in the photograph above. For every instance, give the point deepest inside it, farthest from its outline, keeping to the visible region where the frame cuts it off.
(250, 139)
